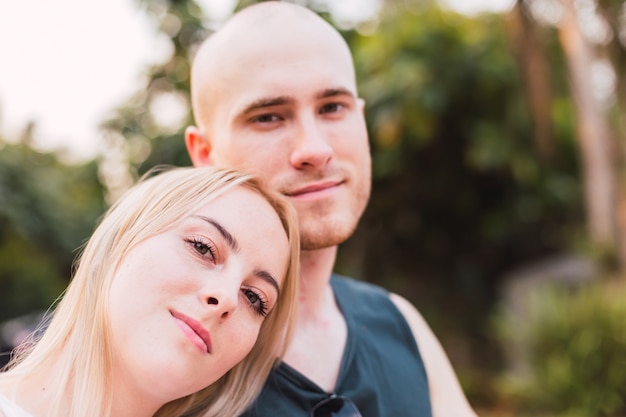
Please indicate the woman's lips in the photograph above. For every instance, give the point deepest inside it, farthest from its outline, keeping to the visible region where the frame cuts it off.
(194, 330)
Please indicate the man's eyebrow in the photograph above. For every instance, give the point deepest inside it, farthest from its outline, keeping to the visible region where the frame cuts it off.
(332, 92)
(230, 239)
(266, 276)
(267, 102)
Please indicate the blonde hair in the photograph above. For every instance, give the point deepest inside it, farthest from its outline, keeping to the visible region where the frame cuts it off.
(78, 333)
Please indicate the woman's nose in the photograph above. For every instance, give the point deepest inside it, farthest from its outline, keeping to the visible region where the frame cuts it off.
(223, 302)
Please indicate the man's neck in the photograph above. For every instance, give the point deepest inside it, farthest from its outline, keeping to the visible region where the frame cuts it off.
(320, 336)
(316, 267)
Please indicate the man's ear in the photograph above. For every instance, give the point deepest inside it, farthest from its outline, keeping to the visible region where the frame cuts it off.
(361, 104)
(198, 146)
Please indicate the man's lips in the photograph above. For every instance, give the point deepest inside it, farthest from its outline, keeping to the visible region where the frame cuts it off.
(194, 330)
(313, 188)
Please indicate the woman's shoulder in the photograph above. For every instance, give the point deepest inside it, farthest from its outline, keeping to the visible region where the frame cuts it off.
(8, 407)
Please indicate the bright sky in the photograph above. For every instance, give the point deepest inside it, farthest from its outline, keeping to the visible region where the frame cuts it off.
(66, 63)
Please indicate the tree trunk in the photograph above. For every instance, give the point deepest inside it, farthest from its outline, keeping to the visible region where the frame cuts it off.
(594, 134)
(615, 51)
(531, 58)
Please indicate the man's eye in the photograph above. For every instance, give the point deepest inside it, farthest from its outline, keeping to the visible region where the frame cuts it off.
(331, 108)
(266, 118)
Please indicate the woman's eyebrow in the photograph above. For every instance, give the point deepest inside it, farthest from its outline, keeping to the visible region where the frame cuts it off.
(234, 245)
(230, 239)
(266, 276)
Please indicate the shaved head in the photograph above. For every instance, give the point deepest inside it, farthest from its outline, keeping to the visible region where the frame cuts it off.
(274, 93)
(256, 36)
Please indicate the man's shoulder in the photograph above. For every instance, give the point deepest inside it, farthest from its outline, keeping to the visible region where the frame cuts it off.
(364, 299)
(345, 283)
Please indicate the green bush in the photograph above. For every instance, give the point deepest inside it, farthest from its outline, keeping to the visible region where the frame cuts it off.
(576, 350)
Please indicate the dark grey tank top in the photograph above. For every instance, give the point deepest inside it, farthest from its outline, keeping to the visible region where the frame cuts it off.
(381, 371)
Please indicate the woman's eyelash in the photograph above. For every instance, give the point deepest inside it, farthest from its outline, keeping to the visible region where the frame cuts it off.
(202, 247)
(255, 297)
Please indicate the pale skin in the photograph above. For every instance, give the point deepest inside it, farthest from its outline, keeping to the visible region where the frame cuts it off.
(205, 287)
(185, 306)
(296, 119)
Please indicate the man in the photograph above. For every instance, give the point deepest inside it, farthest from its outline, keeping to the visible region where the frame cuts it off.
(274, 92)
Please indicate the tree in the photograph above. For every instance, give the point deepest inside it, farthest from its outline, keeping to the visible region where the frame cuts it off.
(594, 132)
(598, 121)
(528, 42)
(47, 210)
(461, 194)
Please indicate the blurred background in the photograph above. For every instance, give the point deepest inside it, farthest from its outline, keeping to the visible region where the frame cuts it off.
(499, 197)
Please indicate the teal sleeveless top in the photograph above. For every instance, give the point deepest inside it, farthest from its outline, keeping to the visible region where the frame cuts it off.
(381, 371)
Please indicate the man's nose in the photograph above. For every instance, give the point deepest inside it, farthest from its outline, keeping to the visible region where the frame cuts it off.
(312, 147)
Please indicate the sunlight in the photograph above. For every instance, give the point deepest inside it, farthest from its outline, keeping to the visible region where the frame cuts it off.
(471, 7)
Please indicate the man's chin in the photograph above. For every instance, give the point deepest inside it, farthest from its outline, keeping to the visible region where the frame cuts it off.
(316, 240)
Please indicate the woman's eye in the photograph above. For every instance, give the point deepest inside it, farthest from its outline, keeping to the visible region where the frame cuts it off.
(202, 248)
(252, 296)
(259, 305)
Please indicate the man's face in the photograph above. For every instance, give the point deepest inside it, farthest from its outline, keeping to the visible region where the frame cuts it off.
(289, 112)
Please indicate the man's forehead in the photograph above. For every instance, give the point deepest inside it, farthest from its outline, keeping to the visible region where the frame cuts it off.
(291, 70)
(276, 43)
(252, 103)
(255, 61)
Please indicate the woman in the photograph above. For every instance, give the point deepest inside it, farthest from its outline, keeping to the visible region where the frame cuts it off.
(180, 304)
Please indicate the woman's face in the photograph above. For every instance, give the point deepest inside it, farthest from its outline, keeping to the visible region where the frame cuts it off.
(186, 305)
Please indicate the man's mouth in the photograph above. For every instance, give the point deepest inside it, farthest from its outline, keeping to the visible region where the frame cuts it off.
(318, 188)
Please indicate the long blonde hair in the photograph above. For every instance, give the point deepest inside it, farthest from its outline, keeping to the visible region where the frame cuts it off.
(77, 336)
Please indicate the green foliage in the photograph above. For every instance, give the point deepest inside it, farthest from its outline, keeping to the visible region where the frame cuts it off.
(577, 349)
(47, 210)
(29, 278)
(148, 141)
(460, 195)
